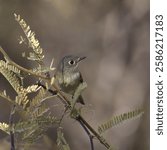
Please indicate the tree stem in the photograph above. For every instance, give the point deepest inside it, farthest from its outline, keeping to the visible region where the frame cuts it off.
(12, 137)
(88, 133)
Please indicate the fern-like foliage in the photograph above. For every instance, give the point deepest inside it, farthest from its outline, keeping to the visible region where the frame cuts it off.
(37, 100)
(115, 120)
(36, 107)
(10, 67)
(11, 73)
(6, 97)
(4, 127)
(61, 141)
(37, 54)
(32, 129)
(36, 119)
(29, 101)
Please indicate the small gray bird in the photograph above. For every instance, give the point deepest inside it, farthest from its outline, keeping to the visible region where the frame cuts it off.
(68, 76)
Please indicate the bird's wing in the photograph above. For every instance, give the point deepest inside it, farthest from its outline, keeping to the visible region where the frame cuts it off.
(81, 79)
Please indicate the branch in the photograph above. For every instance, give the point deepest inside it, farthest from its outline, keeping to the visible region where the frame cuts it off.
(88, 133)
(12, 137)
(49, 90)
(79, 117)
(78, 91)
(100, 138)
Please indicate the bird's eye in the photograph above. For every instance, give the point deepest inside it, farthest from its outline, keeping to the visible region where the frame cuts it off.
(71, 62)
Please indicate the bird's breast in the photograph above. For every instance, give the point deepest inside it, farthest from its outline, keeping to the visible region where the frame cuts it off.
(71, 79)
(68, 82)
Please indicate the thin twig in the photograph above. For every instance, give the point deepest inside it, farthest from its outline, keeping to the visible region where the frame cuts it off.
(88, 133)
(49, 90)
(12, 137)
(62, 116)
(53, 92)
(7, 98)
(100, 138)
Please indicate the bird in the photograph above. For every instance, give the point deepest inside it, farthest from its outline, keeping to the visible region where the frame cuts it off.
(68, 77)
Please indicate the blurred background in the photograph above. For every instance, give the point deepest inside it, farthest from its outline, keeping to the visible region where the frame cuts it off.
(114, 35)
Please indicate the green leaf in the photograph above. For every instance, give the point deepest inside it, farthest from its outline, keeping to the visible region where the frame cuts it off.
(11, 74)
(4, 127)
(115, 120)
(37, 54)
(61, 141)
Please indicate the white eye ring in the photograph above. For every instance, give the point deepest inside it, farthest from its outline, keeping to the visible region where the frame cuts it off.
(71, 62)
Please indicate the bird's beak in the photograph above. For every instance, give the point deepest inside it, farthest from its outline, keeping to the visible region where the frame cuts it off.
(81, 58)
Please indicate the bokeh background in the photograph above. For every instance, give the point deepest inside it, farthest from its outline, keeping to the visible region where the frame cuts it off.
(114, 35)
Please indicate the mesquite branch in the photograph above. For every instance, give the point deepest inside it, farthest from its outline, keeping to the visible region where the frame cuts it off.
(12, 138)
(88, 133)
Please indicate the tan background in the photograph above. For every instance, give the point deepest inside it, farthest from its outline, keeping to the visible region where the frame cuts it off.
(114, 35)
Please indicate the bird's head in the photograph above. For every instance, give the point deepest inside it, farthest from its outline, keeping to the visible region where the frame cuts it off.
(70, 63)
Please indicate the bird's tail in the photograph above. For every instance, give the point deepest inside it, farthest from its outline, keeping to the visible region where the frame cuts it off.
(80, 100)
